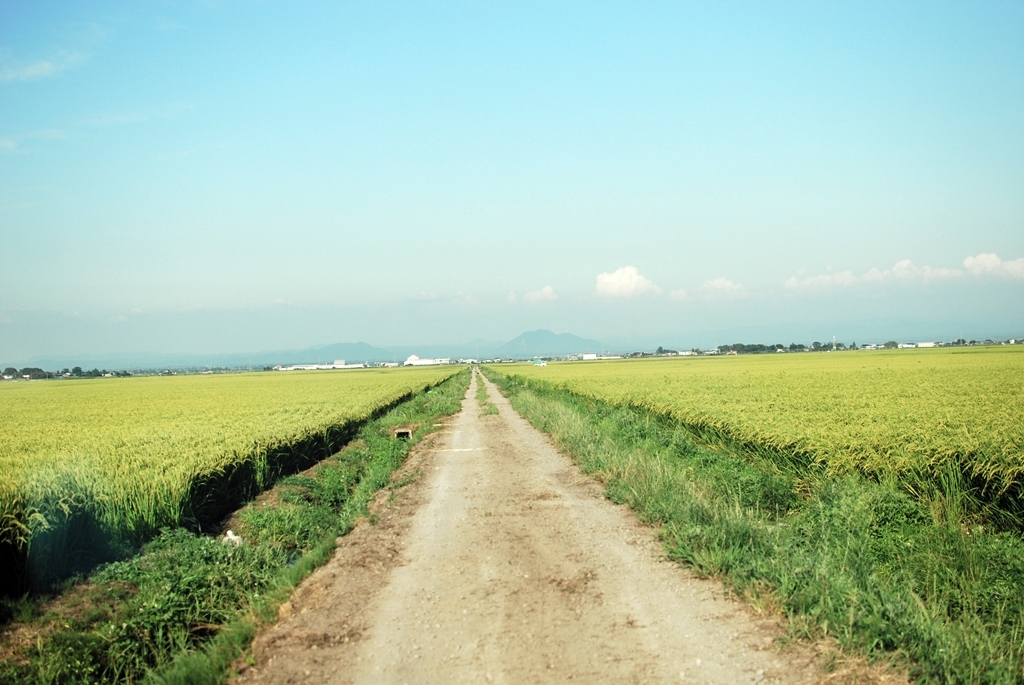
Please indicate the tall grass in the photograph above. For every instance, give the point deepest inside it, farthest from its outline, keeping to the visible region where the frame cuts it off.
(883, 572)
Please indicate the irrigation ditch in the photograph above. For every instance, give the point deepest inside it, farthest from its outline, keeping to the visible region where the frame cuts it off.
(188, 603)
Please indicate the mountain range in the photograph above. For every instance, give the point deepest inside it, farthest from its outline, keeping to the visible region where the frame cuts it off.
(539, 343)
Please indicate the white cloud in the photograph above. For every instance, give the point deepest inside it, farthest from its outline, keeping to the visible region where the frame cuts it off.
(27, 72)
(990, 264)
(680, 294)
(907, 270)
(904, 270)
(982, 265)
(545, 294)
(624, 282)
(40, 69)
(722, 287)
(822, 281)
(511, 298)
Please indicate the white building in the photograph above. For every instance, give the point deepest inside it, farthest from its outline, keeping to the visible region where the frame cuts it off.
(926, 344)
(587, 356)
(413, 360)
(338, 364)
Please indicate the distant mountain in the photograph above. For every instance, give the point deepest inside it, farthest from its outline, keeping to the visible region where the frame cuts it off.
(350, 352)
(539, 343)
(478, 349)
(542, 343)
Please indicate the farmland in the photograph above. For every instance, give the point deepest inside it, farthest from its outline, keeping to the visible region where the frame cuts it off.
(109, 462)
(874, 497)
(886, 414)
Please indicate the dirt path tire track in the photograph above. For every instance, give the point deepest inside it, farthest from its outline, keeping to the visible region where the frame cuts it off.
(501, 563)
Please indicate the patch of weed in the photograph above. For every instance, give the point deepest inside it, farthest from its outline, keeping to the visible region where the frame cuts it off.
(486, 407)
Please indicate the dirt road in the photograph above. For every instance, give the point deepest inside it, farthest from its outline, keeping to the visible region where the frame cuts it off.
(501, 563)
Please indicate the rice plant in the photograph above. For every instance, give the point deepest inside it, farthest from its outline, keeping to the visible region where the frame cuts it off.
(911, 416)
(91, 468)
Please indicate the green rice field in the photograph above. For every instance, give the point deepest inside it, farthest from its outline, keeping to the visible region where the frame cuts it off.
(884, 413)
(117, 459)
(871, 496)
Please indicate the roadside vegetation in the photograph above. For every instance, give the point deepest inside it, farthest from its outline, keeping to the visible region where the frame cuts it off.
(905, 416)
(90, 470)
(189, 604)
(486, 406)
(930, 577)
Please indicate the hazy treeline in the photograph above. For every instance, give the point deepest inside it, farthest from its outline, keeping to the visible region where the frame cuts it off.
(33, 373)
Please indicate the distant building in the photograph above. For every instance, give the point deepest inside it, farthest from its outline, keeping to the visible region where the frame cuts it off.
(907, 346)
(338, 364)
(413, 360)
(587, 356)
(926, 344)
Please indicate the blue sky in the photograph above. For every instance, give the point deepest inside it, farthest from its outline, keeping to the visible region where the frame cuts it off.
(230, 176)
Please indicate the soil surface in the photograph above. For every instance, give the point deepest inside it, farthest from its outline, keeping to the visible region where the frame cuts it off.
(492, 559)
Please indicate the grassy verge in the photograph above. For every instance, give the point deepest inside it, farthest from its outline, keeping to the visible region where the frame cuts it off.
(186, 607)
(484, 401)
(886, 574)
